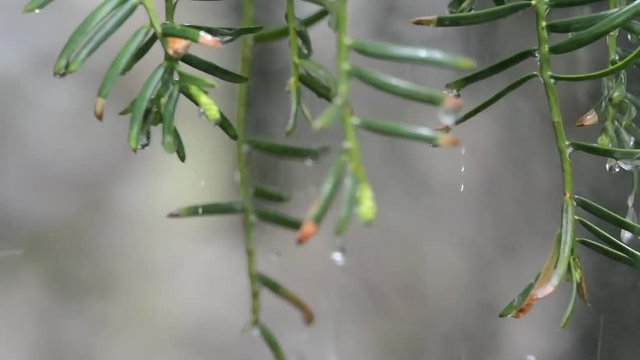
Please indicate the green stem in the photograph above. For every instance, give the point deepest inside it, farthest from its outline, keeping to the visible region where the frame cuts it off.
(611, 38)
(241, 144)
(153, 17)
(169, 9)
(568, 208)
(293, 39)
(612, 57)
(350, 144)
(294, 81)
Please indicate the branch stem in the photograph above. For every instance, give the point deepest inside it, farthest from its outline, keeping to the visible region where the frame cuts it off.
(351, 145)
(248, 11)
(567, 242)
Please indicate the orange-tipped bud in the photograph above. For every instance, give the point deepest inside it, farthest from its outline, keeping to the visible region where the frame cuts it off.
(308, 229)
(588, 119)
(209, 40)
(525, 308)
(426, 20)
(452, 103)
(443, 129)
(98, 110)
(177, 47)
(448, 140)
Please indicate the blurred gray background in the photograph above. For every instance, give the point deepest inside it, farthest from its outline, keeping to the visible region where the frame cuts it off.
(90, 268)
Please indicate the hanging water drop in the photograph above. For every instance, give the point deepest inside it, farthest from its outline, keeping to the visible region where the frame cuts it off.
(628, 165)
(200, 211)
(309, 162)
(255, 331)
(145, 142)
(202, 114)
(448, 116)
(625, 235)
(569, 151)
(612, 166)
(530, 357)
(36, 11)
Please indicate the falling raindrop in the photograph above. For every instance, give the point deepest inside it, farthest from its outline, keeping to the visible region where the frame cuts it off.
(463, 150)
(339, 253)
(275, 255)
(612, 166)
(339, 257)
(11, 252)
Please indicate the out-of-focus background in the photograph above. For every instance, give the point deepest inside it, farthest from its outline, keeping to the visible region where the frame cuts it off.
(90, 268)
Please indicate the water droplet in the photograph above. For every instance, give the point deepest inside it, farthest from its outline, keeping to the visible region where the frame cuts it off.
(463, 150)
(447, 116)
(275, 255)
(339, 257)
(298, 355)
(628, 165)
(11, 252)
(255, 331)
(569, 150)
(200, 210)
(176, 76)
(201, 114)
(612, 166)
(554, 82)
(452, 92)
(530, 357)
(36, 11)
(339, 254)
(625, 235)
(60, 75)
(145, 142)
(309, 162)
(246, 148)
